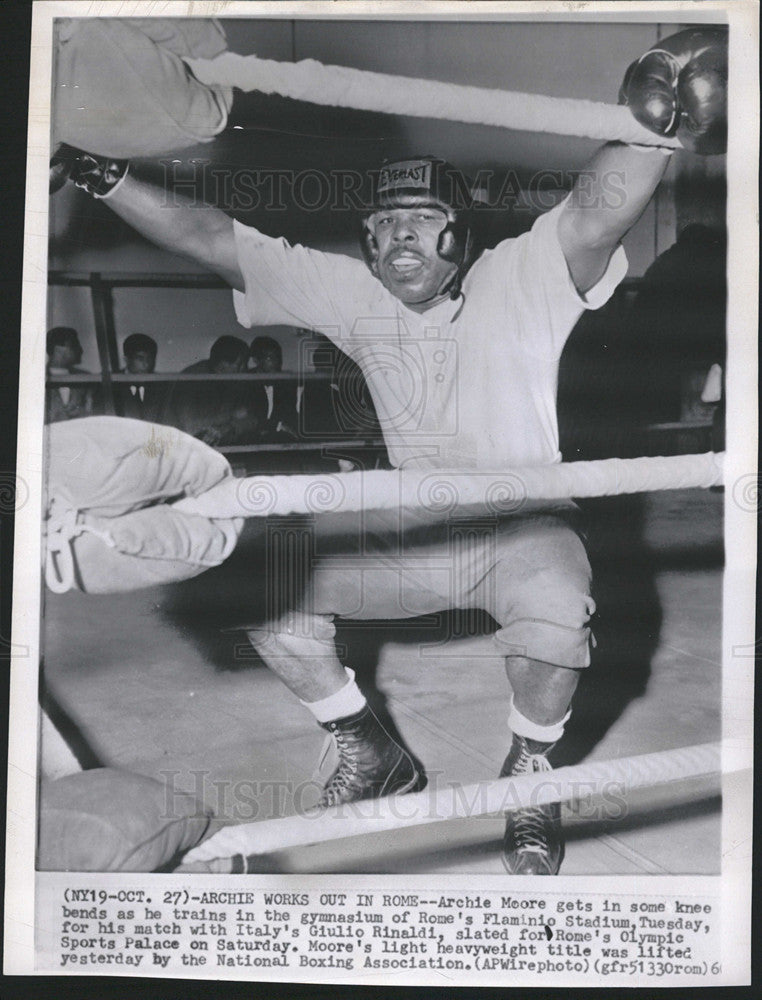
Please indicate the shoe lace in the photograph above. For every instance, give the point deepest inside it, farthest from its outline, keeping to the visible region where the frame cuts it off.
(529, 826)
(345, 771)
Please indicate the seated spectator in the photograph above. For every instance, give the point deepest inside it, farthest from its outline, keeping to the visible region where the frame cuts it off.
(341, 407)
(275, 402)
(66, 402)
(679, 322)
(217, 413)
(140, 400)
(625, 370)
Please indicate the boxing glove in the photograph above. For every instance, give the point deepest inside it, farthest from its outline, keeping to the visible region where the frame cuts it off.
(109, 521)
(98, 175)
(679, 88)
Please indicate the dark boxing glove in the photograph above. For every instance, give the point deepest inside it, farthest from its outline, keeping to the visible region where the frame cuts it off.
(98, 175)
(679, 88)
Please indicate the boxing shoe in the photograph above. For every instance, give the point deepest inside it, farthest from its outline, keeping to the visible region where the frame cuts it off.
(371, 763)
(679, 87)
(533, 842)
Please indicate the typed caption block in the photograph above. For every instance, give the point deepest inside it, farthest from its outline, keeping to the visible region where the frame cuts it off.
(233, 929)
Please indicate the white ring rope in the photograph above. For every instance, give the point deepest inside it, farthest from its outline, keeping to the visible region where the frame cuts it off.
(442, 491)
(581, 782)
(340, 86)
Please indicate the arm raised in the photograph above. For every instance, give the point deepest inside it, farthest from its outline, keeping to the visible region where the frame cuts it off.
(676, 88)
(607, 200)
(168, 219)
(201, 232)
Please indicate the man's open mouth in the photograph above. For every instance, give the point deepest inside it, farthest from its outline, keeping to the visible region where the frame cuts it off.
(405, 264)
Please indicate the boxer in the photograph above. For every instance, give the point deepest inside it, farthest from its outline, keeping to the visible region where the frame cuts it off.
(460, 351)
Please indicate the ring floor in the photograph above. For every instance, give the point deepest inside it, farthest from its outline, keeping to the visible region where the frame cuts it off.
(156, 683)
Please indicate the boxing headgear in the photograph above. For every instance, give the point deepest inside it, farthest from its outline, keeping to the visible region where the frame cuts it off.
(426, 182)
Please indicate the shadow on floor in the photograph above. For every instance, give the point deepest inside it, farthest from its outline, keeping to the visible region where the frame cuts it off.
(85, 754)
(360, 645)
(626, 625)
(211, 610)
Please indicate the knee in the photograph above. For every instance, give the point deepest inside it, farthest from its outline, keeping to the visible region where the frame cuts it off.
(560, 597)
(292, 633)
(542, 600)
(554, 588)
(548, 619)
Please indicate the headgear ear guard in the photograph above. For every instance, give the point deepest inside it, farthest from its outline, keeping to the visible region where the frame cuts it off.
(426, 182)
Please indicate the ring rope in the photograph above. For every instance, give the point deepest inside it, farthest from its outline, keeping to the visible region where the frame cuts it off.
(442, 491)
(341, 86)
(580, 782)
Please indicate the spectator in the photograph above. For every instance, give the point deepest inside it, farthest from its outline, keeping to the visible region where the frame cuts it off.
(140, 400)
(679, 323)
(341, 407)
(218, 412)
(276, 401)
(625, 370)
(66, 402)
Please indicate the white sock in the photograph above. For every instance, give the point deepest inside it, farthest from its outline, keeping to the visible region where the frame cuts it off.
(522, 726)
(348, 700)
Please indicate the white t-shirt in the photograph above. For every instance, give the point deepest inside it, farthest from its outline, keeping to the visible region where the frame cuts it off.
(470, 383)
